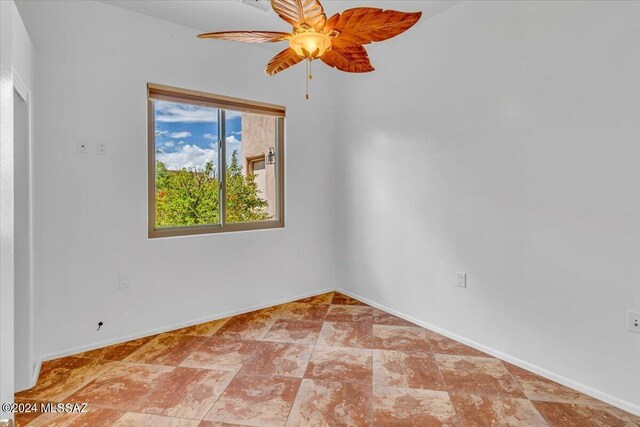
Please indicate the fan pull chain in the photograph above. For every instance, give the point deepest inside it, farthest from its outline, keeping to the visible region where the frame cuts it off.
(308, 77)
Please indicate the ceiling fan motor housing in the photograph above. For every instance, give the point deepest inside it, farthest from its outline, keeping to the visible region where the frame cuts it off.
(310, 44)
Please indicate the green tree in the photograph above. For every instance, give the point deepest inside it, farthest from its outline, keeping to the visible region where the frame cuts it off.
(190, 196)
(243, 202)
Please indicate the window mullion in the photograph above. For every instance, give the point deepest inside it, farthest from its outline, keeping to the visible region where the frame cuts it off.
(151, 167)
(222, 168)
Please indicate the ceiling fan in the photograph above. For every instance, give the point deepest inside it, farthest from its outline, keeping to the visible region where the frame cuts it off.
(337, 41)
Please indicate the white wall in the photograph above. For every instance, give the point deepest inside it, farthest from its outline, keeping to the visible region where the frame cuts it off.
(502, 139)
(23, 68)
(6, 207)
(94, 61)
(22, 50)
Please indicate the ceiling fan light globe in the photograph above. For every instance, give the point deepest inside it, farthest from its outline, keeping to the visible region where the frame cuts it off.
(310, 43)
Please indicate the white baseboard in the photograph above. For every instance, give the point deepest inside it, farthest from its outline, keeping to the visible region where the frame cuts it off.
(168, 328)
(612, 400)
(36, 372)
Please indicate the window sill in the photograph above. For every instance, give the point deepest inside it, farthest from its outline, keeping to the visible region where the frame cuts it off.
(197, 230)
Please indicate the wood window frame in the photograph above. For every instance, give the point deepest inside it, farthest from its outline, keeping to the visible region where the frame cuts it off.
(222, 103)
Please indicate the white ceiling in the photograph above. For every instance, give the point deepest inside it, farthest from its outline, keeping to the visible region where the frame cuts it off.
(226, 15)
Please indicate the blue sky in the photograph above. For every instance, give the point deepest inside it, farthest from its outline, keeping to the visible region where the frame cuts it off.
(186, 135)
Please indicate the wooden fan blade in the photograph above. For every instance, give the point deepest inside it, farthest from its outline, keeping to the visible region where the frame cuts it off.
(331, 23)
(301, 12)
(285, 59)
(352, 58)
(364, 25)
(247, 36)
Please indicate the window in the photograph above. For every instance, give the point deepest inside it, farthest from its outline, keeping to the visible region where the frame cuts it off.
(216, 164)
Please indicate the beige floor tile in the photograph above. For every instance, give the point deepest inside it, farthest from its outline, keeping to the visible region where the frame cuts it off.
(408, 338)
(121, 386)
(185, 393)
(255, 401)
(279, 359)
(166, 349)
(393, 406)
(477, 375)
(406, 369)
(346, 334)
(331, 403)
(479, 411)
(294, 331)
(341, 364)
(226, 354)
(349, 313)
(61, 377)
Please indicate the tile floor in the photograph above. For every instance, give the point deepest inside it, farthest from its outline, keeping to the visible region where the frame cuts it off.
(324, 360)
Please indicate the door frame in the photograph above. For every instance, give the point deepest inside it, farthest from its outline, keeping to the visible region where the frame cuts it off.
(24, 91)
(7, 10)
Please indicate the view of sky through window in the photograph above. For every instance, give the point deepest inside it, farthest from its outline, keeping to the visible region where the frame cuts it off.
(187, 135)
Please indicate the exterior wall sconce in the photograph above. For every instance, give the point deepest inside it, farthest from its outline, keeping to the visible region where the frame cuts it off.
(271, 156)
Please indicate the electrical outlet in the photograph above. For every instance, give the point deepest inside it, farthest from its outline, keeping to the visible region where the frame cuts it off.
(123, 281)
(102, 149)
(461, 280)
(633, 321)
(82, 148)
(299, 255)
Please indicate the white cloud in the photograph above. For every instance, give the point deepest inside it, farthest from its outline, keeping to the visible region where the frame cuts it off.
(169, 143)
(170, 112)
(173, 135)
(230, 139)
(178, 135)
(189, 157)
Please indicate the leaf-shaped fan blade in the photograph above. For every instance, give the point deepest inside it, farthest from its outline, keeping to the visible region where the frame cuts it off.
(364, 25)
(282, 61)
(247, 36)
(300, 12)
(352, 58)
(331, 23)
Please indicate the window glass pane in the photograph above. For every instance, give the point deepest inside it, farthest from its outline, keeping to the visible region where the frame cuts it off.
(251, 171)
(186, 150)
(257, 169)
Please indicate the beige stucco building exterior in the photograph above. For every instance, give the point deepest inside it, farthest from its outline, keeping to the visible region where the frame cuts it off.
(258, 136)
